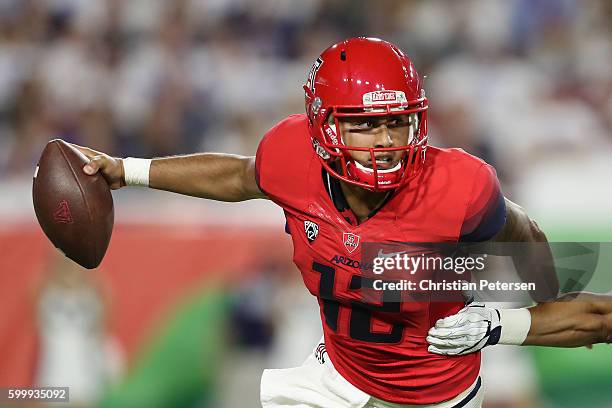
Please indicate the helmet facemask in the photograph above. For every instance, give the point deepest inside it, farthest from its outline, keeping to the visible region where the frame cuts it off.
(336, 155)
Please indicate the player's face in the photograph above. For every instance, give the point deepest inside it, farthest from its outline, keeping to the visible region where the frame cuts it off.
(376, 131)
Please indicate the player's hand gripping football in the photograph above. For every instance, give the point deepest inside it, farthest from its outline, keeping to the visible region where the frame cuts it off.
(472, 328)
(110, 167)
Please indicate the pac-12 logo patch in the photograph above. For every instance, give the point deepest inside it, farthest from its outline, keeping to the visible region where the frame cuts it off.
(351, 241)
(311, 229)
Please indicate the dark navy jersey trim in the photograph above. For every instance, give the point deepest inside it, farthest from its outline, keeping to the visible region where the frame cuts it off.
(334, 190)
(491, 224)
(470, 396)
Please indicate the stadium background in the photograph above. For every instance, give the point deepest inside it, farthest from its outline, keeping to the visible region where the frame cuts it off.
(195, 298)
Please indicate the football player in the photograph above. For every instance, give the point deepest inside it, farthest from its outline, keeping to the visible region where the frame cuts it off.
(356, 168)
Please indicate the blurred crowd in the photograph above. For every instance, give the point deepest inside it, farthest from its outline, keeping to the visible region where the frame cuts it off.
(506, 78)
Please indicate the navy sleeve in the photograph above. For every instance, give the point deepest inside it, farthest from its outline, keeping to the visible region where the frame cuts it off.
(486, 212)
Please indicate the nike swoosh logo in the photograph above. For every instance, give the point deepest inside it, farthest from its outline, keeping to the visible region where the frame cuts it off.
(381, 254)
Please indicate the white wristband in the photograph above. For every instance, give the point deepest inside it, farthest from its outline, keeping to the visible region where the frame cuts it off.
(136, 171)
(515, 325)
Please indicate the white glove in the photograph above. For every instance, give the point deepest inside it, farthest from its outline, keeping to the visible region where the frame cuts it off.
(476, 326)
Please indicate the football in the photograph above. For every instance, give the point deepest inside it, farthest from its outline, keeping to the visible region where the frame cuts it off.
(75, 210)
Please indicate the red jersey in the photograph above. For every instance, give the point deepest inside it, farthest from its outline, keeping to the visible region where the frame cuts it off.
(380, 350)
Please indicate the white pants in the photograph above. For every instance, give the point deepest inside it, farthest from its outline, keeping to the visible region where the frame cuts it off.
(317, 384)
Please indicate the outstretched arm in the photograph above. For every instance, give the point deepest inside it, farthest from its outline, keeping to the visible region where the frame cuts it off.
(216, 176)
(574, 320)
(577, 319)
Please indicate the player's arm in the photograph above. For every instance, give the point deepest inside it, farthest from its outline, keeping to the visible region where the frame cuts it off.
(577, 319)
(216, 176)
(518, 226)
(533, 263)
(574, 320)
(492, 218)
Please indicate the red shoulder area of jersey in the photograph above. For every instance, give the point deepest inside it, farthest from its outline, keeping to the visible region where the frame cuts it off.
(453, 165)
(283, 162)
(477, 183)
(441, 197)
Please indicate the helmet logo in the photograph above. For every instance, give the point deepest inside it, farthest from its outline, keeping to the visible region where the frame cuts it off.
(320, 150)
(384, 98)
(312, 76)
(316, 105)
